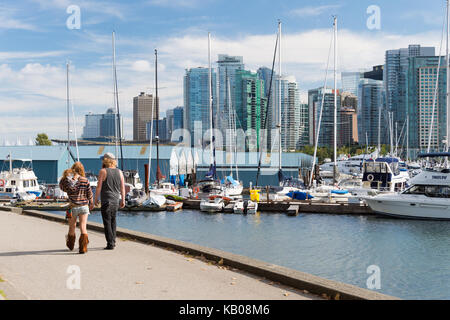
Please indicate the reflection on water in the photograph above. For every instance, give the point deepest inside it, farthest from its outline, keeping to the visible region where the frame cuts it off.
(413, 255)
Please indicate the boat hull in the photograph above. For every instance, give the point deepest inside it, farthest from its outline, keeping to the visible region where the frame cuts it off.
(413, 207)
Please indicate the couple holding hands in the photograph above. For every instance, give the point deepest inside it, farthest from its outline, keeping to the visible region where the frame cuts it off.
(110, 191)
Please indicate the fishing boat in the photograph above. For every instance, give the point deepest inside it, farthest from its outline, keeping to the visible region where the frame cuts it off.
(19, 180)
(245, 207)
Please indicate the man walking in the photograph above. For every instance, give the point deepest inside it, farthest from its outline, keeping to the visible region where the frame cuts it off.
(111, 191)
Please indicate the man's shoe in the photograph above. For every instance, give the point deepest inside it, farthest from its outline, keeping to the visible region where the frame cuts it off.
(109, 248)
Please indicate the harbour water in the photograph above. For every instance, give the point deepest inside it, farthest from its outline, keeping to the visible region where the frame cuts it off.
(413, 256)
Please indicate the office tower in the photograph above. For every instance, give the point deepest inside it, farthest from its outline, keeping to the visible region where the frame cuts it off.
(421, 85)
(143, 106)
(326, 136)
(196, 103)
(250, 107)
(101, 127)
(370, 103)
(350, 82)
(395, 74)
(265, 74)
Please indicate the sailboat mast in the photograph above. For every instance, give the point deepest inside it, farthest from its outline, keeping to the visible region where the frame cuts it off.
(279, 96)
(118, 127)
(210, 99)
(229, 120)
(114, 90)
(448, 84)
(68, 113)
(157, 117)
(335, 102)
(379, 130)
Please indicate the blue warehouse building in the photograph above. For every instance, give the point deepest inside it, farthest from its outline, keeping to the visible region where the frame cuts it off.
(49, 162)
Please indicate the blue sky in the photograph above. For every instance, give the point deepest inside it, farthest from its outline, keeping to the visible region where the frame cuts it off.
(35, 44)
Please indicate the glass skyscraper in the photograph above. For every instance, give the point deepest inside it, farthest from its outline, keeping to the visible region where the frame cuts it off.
(196, 103)
(395, 78)
(370, 104)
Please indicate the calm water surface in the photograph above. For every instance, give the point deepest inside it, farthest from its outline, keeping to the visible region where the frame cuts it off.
(413, 256)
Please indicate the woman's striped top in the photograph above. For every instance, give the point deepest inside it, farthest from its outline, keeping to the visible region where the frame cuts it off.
(79, 192)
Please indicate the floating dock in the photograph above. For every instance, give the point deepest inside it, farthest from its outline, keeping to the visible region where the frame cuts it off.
(291, 208)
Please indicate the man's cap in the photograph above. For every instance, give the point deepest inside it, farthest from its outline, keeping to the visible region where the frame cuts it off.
(108, 155)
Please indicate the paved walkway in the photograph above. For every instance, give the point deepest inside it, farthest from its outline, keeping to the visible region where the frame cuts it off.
(35, 264)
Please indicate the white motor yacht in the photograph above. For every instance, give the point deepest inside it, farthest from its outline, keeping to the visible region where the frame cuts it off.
(427, 198)
(19, 180)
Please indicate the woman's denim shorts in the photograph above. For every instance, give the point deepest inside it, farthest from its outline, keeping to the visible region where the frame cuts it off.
(80, 210)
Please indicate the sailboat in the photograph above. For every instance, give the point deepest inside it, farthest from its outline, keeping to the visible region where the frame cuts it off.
(160, 187)
(232, 187)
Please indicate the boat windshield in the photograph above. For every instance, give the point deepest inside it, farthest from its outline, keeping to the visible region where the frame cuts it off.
(430, 191)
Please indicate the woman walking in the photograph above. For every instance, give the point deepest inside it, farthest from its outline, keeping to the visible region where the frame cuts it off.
(77, 187)
(111, 191)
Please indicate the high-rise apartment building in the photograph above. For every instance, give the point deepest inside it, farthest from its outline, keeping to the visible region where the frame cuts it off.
(227, 66)
(421, 87)
(143, 107)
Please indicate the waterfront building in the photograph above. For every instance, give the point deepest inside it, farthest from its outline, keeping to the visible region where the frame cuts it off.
(143, 107)
(101, 127)
(326, 136)
(395, 77)
(421, 84)
(196, 115)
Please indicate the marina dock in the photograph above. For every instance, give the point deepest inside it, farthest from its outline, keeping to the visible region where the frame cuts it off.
(291, 208)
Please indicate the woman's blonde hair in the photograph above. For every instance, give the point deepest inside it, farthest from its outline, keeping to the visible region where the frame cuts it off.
(109, 163)
(78, 168)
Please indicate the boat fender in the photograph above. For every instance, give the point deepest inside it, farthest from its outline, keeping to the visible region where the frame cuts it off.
(370, 177)
(2, 183)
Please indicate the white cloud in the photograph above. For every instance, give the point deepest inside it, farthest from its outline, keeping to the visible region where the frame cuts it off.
(9, 20)
(313, 11)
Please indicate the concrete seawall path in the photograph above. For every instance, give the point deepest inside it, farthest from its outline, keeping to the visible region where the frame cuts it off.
(36, 264)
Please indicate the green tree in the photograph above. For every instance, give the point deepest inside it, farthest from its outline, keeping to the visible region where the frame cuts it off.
(43, 140)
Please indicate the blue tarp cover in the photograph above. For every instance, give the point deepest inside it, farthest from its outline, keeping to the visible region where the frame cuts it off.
(299, 195)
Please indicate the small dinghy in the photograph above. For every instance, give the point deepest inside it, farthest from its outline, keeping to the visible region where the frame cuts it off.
(245, 207)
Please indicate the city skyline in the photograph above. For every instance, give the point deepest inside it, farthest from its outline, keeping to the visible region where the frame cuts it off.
(32, 63)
